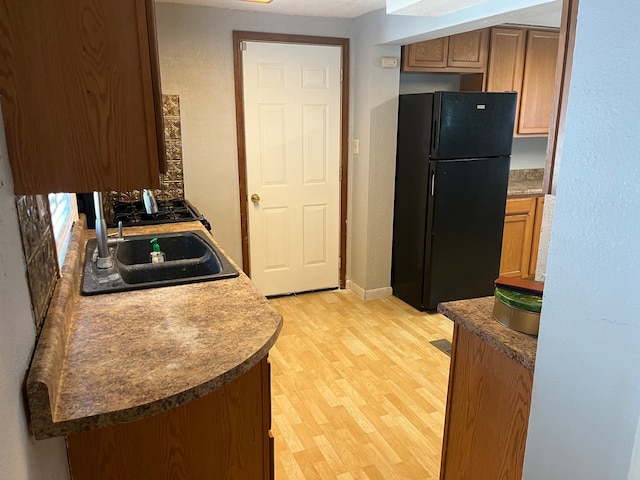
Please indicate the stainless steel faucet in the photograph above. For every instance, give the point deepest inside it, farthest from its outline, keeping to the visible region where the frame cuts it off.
(105, 260)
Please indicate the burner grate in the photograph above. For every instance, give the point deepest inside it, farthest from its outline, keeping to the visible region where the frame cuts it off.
(169, 211)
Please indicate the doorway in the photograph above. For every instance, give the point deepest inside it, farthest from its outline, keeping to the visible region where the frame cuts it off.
(292, 113)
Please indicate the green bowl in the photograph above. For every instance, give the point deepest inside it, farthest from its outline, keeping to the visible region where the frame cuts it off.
(521, 301)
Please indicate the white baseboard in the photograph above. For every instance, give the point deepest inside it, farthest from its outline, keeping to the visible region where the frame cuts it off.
(372, 294)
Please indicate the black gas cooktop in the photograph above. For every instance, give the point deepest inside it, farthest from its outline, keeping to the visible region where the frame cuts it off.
(169, 211)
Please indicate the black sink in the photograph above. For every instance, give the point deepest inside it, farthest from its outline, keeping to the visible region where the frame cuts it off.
(189, 257)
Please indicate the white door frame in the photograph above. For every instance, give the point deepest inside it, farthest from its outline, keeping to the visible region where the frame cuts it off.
(238, 38)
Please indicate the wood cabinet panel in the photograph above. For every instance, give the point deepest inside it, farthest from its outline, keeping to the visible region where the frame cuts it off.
(468, 50)
(487, 412)
(428, 54)
(465, 52)
(517, 237)
(220, 435)
(535, 244)
(506, 63)
(80, 93)
(538, 83)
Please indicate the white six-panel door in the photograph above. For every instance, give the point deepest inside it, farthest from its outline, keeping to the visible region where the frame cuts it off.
(292, 126)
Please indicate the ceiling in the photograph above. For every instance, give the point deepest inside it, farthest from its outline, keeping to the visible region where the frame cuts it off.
(311, 8)
(354, 8)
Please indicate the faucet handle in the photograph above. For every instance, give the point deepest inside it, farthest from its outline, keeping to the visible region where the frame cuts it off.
(119, 238)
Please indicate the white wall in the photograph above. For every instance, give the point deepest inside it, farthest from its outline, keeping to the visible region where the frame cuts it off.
(373, 170)
(428, 82)
(528, 153)
(586, 390)
(400, 29)
(196, 62)
(21, 457)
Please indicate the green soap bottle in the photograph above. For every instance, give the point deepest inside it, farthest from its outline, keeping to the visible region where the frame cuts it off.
(156, 256)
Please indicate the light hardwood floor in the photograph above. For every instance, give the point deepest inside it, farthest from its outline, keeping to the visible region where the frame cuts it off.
(358, 391)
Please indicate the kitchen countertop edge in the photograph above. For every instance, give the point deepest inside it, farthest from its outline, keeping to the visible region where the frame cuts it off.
(43, 384)
(476, 316)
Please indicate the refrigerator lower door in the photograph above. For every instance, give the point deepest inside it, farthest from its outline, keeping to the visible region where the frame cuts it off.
(464, 228)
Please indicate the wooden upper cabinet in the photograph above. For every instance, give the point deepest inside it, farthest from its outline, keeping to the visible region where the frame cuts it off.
(499, 59)
(538, 83)
(524, 61)
(506, 63)
(429, 54)
(468, 50)
(80, 93)
(465, 52)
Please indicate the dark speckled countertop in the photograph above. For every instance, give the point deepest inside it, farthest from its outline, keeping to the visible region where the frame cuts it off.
(476, 315)
(525, 182)
(114, 358)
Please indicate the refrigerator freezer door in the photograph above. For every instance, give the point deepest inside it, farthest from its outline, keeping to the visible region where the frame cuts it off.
(473, 124)
(464, 234)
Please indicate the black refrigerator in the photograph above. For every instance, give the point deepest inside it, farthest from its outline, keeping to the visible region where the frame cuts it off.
(452, 172)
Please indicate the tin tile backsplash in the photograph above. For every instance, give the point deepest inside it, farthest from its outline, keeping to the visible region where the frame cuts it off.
(39, 248)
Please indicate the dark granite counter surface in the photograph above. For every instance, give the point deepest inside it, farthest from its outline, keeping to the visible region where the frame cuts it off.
(476, 315)
(525, 182)
(108, 359)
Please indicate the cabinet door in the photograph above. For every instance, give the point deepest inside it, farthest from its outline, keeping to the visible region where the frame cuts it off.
(538, 84)
(429, 54)
(517, 237)
(80, 93)
(506, 63)
(487, 412)
(468, 50)
(218, 436)
(535, 244)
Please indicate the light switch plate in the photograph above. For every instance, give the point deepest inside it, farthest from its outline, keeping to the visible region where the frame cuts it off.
(389, 62)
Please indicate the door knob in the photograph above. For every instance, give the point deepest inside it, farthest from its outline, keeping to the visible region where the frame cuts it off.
(255, 198)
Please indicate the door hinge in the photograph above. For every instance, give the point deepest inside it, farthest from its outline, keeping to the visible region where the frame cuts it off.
(339, 262)
(243, 45)
(340, 174)
(341, 75)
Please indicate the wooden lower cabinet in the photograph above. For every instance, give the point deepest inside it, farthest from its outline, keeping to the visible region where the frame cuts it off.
(535, 244)
(487, 412)
(225, 434)
(517, 238)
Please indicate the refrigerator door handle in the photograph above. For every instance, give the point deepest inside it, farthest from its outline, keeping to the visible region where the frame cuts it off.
(433, 182)
(436, 136)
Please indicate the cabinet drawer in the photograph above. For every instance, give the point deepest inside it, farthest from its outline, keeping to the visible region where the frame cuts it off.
(517, 206)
